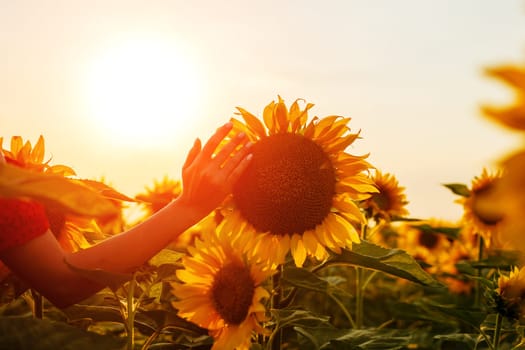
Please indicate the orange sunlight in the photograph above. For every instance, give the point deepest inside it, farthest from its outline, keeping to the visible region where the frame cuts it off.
(140, 91)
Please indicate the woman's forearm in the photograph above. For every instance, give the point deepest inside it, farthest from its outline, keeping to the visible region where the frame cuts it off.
(128, 250)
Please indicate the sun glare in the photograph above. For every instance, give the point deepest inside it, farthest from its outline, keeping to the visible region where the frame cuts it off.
(142, 90)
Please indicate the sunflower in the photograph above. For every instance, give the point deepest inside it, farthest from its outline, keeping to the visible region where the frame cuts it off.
(221, 290)
(389, 202)
(425, 240)
(438, 246)
(510, 294)
(161, 194)
(22, 154)
(478, 219)
(298, 193)
(448, 269)
(512, 116)
(74, 232)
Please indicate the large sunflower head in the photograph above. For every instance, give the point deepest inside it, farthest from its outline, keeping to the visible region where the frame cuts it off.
(389, 201)
(221, 289)
(299, 191)
(478, 219)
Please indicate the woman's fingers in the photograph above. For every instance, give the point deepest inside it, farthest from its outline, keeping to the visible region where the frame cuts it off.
(226, 152)
(238, 164)
(215, 140)
(192, 154)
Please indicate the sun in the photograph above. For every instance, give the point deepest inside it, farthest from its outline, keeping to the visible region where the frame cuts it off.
(142, 91)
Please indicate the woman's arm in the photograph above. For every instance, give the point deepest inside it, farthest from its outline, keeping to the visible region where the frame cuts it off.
(207, 179)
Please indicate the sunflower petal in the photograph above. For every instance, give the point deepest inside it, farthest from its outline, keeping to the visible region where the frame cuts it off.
(281, 116)
(298, 250)
(269, 118)
(253, 122)
(37, 154)
(239, 126)
(310, 242)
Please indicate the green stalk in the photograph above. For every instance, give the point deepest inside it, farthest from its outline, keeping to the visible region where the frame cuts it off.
(359, 287)
(38, 304)
(130, 320)
(345, 311)
(277, 294)
(477, 295)
(359, 300)
(497, 332)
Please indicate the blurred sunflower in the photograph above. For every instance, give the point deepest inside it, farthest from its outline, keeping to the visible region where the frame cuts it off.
(73, 231)
(510, 301)
(389, 202)
(298, 193)
(22, 154)
(439, 247)
(512, 116)
(508, 202)
(428, 241)
(478, 218)
(159, 195)
(448, 269)
(221, 290)
(156, 197)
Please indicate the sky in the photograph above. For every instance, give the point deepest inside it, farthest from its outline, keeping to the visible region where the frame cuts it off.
(120, 89)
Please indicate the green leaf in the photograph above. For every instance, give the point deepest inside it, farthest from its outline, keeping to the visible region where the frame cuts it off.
(166, 256)
(301, 318)
(36, 334)
(502, 260)
(459, 189)
(468, 316)
(377, 339)
(170, 319)
(302, 278)
(67, 194)
(465, 340)
(451, 232)
(395, 262)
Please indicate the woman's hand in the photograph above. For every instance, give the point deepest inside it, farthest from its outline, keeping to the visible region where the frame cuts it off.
(207, 178)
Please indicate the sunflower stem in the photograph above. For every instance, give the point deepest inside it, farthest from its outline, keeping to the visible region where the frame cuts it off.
(38, 304)
(275, 304)
(345, 311)
(359, 287)
(359, 298)
(130, 321)
(477, 295)
(497, 332)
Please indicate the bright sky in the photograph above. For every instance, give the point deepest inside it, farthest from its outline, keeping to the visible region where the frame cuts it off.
(121, 89)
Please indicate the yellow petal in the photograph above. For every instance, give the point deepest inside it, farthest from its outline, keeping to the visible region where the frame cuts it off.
(298, 251)
(268, 118)
(310, 242)
(281, 116)
(37, 155)
(348, 207)
(253, 122)
(16, 144)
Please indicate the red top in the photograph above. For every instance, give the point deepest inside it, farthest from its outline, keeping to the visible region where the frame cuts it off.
(20, 221)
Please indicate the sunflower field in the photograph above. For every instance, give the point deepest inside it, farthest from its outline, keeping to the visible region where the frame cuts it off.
(314, 249)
